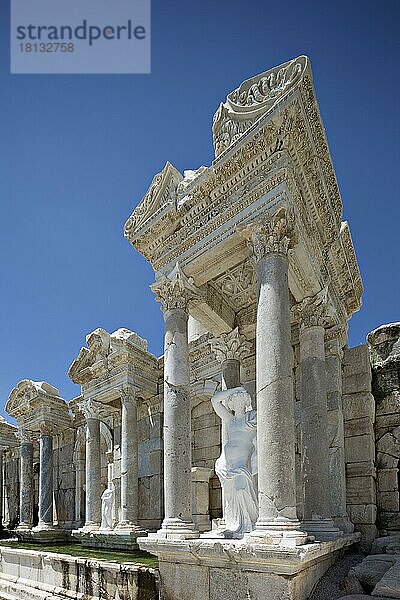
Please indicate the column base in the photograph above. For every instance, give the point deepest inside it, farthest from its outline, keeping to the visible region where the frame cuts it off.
(344, 524)
(321, 530)
(282, 532)
(176, 529)
(42, 534)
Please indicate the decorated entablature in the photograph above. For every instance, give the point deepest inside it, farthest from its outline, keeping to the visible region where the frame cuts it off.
(37, 404)
(270, 152)
(111, 362)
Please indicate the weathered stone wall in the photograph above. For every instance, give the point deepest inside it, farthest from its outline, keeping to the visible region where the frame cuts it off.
(384, 345)
(150, 429)
(359, 418)
(64, 479)
(11, 488)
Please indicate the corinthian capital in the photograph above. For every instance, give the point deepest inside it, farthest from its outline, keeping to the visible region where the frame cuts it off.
(90, 409)
(275, 234)
(128, 394)
(230, 345)
(175, 290)
(24, 436)
(313, 311)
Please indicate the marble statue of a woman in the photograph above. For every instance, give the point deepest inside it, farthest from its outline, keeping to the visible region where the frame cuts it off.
(107, 504)
(237, 466)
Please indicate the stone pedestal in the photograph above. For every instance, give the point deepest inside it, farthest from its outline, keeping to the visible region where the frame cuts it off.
(1, 487)
(314, 420)
(277, 522)
(175, 292)
(200, 497)
(209, 569)
(26, 483)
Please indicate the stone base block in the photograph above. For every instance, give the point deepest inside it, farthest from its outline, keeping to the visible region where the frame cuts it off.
(39, 535)
(113, 539)
(214, 569)
(322, 530)
(32, 575)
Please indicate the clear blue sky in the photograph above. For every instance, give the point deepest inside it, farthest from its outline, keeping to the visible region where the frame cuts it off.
(77, 153)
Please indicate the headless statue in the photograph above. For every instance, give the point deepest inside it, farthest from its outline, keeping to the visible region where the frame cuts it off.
(237, 466)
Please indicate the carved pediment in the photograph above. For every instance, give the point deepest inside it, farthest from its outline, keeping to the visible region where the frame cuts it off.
(33, 403)
(102, 353)
(162, 194)
(253, 99)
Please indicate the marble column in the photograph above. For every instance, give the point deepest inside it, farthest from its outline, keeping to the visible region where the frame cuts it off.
(277, 523)
(335, 339)
(314, 418)
(129, 461)
(175, 291)
(45, 479)
(93, 465)
(25, 481)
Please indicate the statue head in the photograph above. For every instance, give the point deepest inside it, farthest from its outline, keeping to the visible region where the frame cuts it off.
(239, 401)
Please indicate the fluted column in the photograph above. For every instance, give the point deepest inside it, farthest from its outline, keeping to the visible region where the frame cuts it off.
(93, 464)
(335, 339)
(175, 291)
(26, 481)
(129, 461)
(314, 418)
(45, 479)
(277, 524)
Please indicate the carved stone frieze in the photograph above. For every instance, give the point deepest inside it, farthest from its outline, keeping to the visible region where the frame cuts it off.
(238, 285)
(176, 290)
(232, 345)
(274, 234)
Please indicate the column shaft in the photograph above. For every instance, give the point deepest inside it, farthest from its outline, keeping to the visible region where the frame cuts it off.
(26, 485)
(93, 473)
(275, 402)
(177, 423)
(46, 482)
(129, 462)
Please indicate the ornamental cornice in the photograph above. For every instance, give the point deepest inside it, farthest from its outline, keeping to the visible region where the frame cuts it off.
(176, 290)
(274, 234)
(232, 345)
